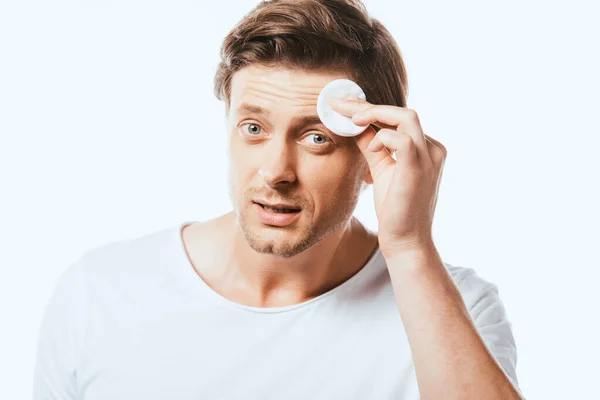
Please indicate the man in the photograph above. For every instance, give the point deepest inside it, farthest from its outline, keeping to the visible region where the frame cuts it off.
(289, 296)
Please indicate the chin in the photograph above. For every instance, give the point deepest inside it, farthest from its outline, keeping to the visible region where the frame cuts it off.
(284, 250)
(281, 243)
(286, 241)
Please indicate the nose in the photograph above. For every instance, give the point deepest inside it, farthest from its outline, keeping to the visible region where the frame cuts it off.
(278, 166)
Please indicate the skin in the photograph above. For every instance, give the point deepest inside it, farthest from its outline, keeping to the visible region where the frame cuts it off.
(451, 360)
(262, 266)
(280, 157)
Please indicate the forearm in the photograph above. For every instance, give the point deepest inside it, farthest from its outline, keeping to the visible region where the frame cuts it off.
(450, 358)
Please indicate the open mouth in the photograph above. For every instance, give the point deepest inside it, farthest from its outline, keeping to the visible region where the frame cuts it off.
(284, 210)
(278, 214)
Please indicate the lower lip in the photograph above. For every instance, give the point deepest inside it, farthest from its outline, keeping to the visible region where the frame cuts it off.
(276, 218)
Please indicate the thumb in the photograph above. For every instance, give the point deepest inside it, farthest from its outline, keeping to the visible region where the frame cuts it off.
(377, 160)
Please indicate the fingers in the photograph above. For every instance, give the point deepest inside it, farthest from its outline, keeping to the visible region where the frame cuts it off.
(349, 106)
(374, 147)
(400, 143)
(353, 105)
(378, 160)
(402, 119)
(406, 121)
(437, 152)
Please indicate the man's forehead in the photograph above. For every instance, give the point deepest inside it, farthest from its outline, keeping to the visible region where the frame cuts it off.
(256, 84)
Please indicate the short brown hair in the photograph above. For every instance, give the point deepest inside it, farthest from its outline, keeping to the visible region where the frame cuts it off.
(316, 35)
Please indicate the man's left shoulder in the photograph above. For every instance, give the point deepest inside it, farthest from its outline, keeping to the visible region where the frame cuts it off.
(480, 295)
(470, 284)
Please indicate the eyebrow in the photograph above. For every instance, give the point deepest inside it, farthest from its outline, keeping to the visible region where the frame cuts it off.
(251, 109)
(246, 108)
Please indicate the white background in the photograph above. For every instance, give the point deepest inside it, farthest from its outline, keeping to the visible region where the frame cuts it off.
(110, 130)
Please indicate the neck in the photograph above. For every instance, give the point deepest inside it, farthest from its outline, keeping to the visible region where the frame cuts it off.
(266, 280)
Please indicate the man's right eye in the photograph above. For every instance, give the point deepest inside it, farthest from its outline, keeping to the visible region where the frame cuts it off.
(252, 129)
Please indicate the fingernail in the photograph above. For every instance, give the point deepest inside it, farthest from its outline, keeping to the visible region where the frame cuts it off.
(370, 146)
(354, 97)
(336, 102)
(357, 117)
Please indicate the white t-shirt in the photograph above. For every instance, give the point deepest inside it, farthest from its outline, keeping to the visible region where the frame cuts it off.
(132, 320)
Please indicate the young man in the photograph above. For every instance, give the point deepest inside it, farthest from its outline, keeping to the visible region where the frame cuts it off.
(288, 296)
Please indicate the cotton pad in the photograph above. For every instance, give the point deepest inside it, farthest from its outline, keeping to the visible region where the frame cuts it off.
(334, 121)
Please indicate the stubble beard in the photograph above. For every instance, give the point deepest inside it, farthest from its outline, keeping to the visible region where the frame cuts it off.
(332, 219)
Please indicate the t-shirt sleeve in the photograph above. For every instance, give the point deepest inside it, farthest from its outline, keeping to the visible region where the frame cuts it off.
(58, 339)
(489, 315)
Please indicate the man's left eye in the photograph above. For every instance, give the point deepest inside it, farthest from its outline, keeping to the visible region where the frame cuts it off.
(318, 138)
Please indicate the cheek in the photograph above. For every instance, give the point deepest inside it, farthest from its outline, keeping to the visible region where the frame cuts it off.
(239, 159)
(243, 166)
(237, 169)
(329, 181)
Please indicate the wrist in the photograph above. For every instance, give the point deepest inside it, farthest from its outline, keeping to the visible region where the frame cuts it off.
(400, 253)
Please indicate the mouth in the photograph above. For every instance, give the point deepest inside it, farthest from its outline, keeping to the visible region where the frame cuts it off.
(279, 208)
(277, 215)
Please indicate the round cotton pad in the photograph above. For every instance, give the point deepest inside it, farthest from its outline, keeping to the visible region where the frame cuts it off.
(334, 121)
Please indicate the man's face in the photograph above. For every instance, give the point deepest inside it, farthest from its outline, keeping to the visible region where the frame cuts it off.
(280, 154)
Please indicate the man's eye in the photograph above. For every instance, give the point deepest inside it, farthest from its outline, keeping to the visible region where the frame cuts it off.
(317, 138)
(253, 129)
